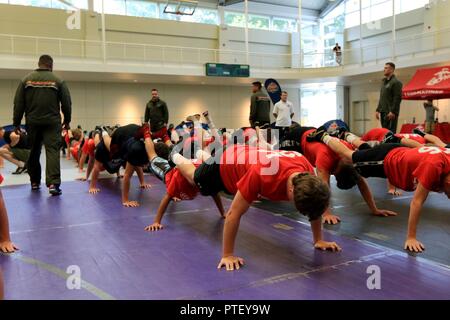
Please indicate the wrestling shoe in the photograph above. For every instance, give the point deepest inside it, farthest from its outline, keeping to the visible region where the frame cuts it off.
(20, 170)
(54, 190)
(389, 138)
(35, 186)
(316, 135)
(419, 131)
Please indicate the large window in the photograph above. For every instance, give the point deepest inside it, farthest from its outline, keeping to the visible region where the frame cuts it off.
(258, 22)
(372, 10)
(318, 104)
(237, 19)
(142, 9)
(55, 4)
(284, 25)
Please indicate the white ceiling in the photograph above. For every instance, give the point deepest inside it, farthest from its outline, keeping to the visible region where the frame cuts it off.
(317, 5)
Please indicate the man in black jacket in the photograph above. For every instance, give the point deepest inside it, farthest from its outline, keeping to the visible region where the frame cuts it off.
(259, 107)
(390, 99)
(42, 96)
(157, 113)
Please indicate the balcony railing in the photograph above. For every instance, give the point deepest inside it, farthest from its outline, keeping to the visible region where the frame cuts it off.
(139, 53)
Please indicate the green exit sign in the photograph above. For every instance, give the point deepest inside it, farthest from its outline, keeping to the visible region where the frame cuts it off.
(227, 70)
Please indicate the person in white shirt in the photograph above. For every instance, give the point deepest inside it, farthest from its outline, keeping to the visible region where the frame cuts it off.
(283, 112)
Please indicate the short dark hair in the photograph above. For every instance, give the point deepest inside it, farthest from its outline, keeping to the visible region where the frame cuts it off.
(311, 195)
(155, 90)
(346, 176)
(284, 92)
(45, 61)
(162, 150)
(391, 64)
(257, 83)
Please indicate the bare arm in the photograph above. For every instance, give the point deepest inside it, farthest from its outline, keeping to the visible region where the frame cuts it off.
(156, 225)
(239, 206)
(90, 167)
(82, 161)
(328, 216)
(219, 204)
(93, 184)
(129, 169)
(420, 195)
(6, 246)
(368, 197)
(316, 228)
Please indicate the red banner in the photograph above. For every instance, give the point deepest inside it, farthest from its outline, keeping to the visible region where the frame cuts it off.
(432, 83)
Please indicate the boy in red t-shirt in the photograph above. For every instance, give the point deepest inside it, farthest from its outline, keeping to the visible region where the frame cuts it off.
(327, 162)
(422, 170)
(177, 187)
(250, 173)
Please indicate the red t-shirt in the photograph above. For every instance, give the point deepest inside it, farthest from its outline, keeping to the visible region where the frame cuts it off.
(405, 167)
(257, 172)
(412, 136)
(320, 155)
(89, 148)
(1, 179)
(248, 134)
(177, 186)
(75, 149)
(376, 134)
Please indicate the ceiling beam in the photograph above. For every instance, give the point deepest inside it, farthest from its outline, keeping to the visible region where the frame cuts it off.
(330, 7)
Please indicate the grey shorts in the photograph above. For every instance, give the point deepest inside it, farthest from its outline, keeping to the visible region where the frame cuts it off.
(160, 168)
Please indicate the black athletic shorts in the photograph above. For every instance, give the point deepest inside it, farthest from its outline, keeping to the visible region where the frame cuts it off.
(370, 162)
(119, 137)
(102, 156)
(101, 153)
(292, 141)
(207, 178)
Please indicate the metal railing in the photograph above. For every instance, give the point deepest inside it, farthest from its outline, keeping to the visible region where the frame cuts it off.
(148, 53)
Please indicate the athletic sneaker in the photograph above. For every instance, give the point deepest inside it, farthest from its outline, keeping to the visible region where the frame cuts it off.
(35, 186)
(20, 170)
(54, 190)
(419, 131)
(316, 135)
(389, 138)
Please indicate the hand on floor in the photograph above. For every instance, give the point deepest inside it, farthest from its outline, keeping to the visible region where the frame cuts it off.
(145, 186)
(154, 227)
(414, 245)
(231, 263)
(385, 213)
(8, 247)
(394, 192)
(131, 204)
(330, 219)
(94, 190)
(324, 245)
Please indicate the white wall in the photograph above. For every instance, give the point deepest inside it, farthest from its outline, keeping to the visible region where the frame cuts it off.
(110, 103)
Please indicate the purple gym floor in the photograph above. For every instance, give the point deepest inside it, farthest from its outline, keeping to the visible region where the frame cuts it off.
(119, 260)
